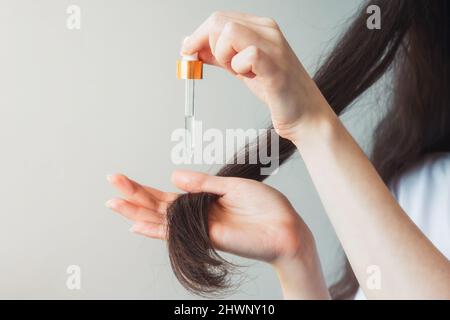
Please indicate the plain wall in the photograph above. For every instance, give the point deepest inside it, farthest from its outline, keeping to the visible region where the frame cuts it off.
(77, 105)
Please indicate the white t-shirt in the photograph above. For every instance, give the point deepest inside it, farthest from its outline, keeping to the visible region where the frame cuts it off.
(424, 193)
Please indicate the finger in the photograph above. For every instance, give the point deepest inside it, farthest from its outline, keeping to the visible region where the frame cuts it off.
(151, 230)
(137, 194)
(204, 39)
(233, 39)
(195, 182)
(252, 61)
(126, 183)
(133, 212)
(160, 195)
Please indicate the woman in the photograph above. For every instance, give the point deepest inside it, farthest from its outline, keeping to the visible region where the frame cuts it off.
(402, 230)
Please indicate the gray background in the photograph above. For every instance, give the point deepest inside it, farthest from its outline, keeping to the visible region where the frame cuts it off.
(77, 105)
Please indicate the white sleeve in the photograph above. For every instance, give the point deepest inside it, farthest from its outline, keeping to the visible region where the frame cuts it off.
(424, 194)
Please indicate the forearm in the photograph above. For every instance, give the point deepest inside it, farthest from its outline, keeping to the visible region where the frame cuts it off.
(372, 227)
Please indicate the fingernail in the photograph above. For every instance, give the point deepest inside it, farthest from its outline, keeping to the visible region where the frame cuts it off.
(133, 229)
(184, 179)
(185, 45)
(111, 204)
(109, 177)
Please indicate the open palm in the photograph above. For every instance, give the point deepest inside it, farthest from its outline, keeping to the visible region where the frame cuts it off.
(250, 219)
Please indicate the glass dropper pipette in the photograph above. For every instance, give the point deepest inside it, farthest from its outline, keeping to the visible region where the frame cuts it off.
(189, 68)
(189, 114)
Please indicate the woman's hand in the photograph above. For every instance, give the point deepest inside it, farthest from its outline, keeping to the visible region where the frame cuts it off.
(250, 219)
(255, 50)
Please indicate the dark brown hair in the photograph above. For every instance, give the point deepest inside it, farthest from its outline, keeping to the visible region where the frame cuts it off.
(413, 42)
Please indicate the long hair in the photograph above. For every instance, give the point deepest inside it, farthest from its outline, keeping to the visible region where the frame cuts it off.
(413, 43)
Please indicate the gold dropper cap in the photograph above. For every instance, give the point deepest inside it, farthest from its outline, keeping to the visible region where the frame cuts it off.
(189, 68)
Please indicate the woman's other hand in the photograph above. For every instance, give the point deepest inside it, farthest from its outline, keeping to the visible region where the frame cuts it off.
(250, 219)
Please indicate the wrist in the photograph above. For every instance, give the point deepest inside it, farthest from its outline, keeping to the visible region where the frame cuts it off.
(320, 124)
(301, 275)
(316, 116)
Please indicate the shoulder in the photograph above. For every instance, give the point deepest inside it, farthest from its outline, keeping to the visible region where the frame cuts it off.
(433, 172)
(435, 164)
(423, 191)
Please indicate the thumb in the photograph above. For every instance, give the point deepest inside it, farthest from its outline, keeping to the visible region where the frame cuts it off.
(195, 182)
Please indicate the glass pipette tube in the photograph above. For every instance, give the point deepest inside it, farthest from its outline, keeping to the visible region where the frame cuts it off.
(189, 114)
